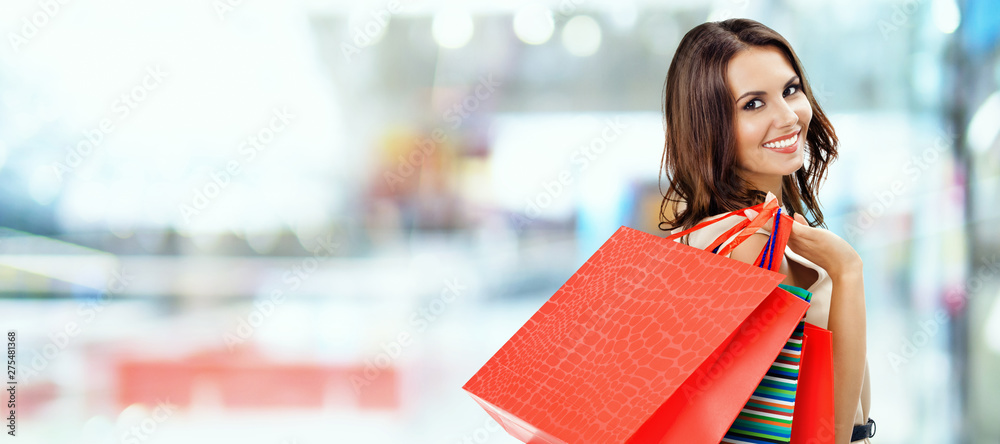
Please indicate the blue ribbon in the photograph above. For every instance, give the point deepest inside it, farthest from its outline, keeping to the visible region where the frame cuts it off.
(769, 248)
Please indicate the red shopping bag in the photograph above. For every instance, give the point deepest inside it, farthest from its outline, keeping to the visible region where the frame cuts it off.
(812, 420)
(649, 341)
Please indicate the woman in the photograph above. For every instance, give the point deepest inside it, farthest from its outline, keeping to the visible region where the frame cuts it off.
(743, 126)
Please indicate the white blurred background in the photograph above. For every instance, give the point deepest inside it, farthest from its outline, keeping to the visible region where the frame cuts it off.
(312, 221)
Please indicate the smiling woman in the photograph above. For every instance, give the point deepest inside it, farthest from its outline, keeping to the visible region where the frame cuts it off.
(742, 126)
(770, 123)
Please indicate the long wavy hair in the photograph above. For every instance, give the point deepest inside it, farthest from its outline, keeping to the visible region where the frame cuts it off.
(699, 150)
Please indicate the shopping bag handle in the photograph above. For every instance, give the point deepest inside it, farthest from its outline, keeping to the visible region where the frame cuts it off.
(704, 224)
(749, 226)
(769, 210)
(765, 211)
(767, 256)
(771, 256)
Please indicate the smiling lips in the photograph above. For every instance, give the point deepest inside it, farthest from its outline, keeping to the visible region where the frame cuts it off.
(784, 144)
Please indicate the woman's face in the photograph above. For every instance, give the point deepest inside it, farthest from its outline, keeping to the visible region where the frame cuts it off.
(772, 115)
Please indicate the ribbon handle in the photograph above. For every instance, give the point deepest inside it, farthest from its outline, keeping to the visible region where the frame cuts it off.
(769, 209)
(776, 242)
(767, 255)
(774, 251)
(704, 224)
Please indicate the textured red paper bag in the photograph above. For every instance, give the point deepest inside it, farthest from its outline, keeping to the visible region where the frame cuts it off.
(812, 420)
(619, 340)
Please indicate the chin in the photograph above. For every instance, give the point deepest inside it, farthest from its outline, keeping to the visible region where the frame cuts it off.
(798, 165)
(783, 171)
(795, 164)
(789, 171)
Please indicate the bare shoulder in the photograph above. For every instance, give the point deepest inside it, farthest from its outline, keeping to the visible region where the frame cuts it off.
(748, 251)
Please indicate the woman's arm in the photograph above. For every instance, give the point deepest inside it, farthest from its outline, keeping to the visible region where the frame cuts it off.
(846, 318)
(847, 322)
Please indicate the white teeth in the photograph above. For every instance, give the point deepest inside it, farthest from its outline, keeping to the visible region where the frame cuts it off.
(783, 143)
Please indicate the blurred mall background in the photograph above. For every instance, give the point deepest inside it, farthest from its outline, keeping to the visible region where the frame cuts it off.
(312, 221)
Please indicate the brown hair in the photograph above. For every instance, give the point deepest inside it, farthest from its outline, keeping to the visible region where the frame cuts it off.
(699, 153)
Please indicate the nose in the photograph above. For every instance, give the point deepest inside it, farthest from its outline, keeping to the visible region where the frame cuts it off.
(786, 115)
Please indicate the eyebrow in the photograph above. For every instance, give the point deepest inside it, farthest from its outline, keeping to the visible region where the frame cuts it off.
(762, 93)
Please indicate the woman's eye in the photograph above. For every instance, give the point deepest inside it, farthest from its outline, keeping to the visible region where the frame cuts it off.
(794, 89)
(750, 105)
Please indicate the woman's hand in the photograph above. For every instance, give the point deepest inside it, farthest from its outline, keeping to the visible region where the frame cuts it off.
(823, 248)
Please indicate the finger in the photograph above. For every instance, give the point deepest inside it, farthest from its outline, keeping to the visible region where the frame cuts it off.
(800, 226)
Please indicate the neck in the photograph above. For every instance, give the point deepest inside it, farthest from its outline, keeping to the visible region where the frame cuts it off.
(771, 184)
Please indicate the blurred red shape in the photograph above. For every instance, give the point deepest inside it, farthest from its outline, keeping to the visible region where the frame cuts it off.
(247, 380)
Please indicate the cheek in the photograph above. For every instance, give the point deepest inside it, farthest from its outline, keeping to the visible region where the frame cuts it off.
(804, 111)
(749, 134)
